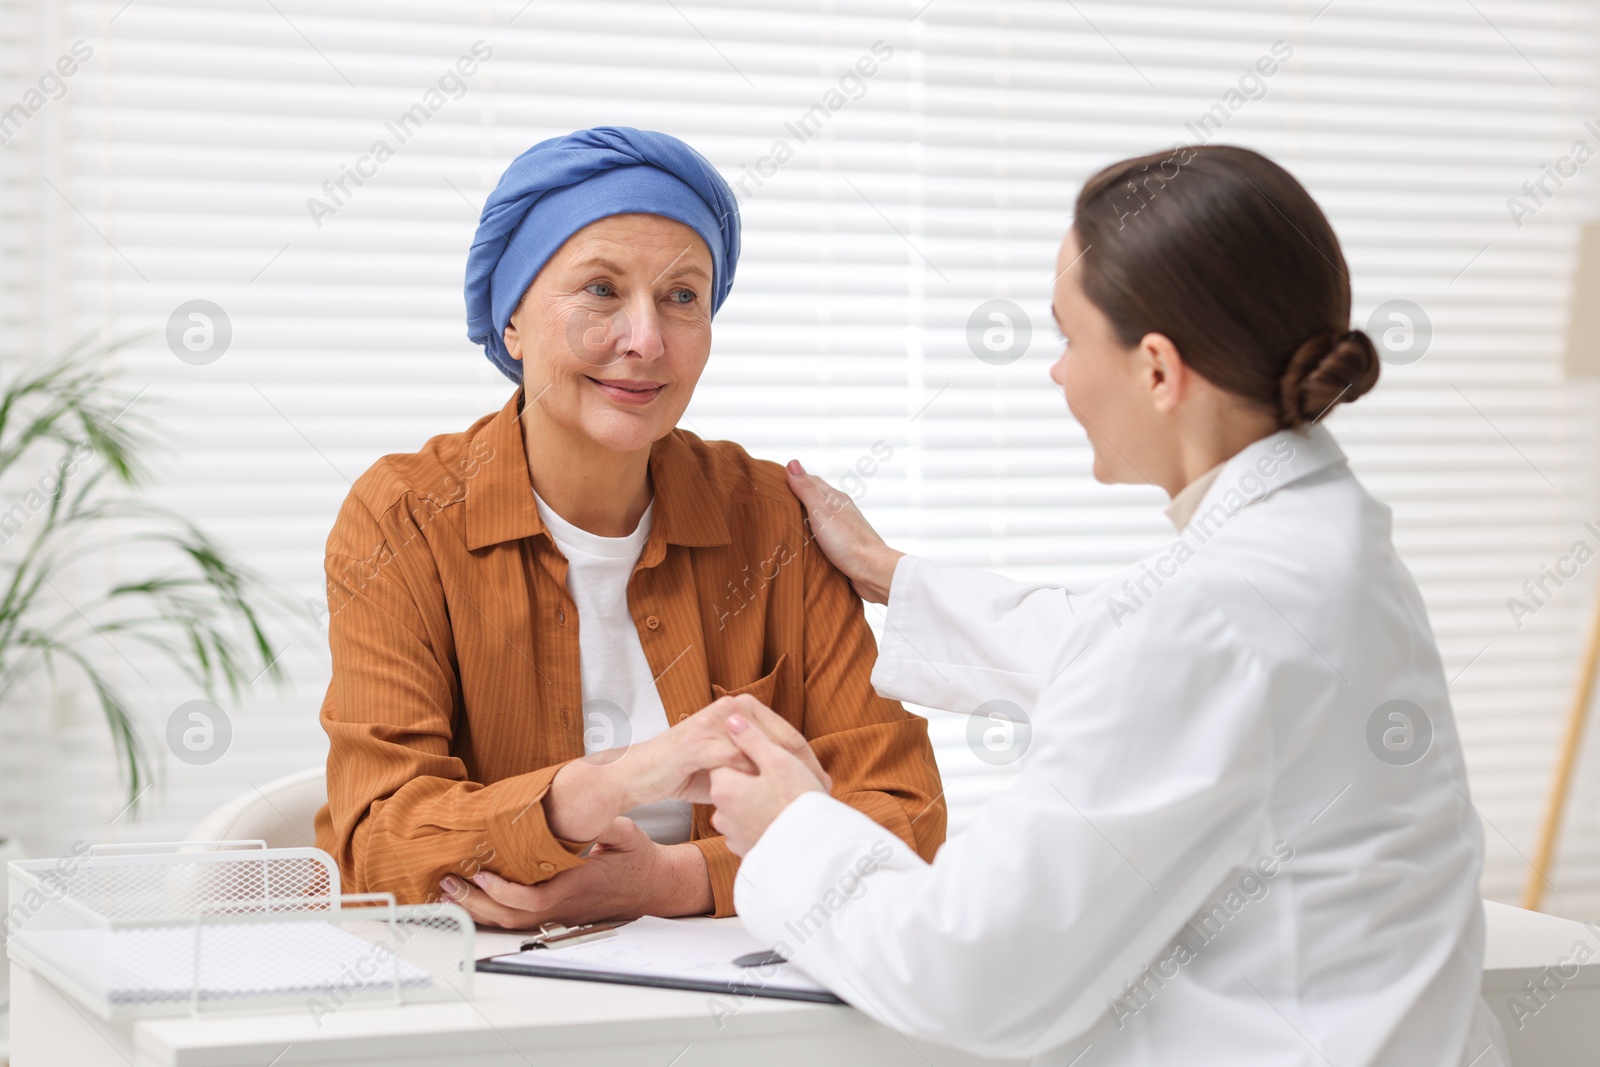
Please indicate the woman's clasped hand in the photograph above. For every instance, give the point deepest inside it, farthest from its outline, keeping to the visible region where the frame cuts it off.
(627, 874)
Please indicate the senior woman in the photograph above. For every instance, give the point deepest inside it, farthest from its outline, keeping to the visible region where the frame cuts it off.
(537, 623)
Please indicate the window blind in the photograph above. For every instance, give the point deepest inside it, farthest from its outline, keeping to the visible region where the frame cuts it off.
(900, 168)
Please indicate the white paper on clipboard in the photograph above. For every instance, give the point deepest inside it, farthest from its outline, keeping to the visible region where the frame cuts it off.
(671, 953)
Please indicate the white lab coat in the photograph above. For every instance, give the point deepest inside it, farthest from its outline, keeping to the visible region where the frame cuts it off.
(1219, 850)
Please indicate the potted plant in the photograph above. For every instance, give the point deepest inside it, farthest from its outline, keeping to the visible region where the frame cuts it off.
(73, 452)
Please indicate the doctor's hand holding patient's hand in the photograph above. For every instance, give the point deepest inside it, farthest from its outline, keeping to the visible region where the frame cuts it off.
(587, 794)
(747, 803)
(679, 763)
(626, 874)
(845, 535)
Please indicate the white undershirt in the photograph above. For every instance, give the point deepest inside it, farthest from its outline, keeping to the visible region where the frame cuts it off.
(621, 705)
(1187, 502)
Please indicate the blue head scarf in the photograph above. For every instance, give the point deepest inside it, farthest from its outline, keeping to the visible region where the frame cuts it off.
(559, 186)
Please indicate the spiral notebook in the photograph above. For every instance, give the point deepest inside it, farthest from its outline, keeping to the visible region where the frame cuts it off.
(693, 954)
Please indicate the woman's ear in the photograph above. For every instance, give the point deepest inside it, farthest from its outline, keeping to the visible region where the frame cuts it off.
(513, 339)
(512, 335)
(1161, 371)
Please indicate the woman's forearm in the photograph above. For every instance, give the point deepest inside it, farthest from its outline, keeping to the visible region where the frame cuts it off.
(686, 888)
(583, 800)
(584, 797)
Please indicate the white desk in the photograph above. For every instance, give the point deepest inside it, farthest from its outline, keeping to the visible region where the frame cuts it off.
(515, 1021)
(1521, 945)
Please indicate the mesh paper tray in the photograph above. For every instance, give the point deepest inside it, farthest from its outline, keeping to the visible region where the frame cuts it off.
(173, 929)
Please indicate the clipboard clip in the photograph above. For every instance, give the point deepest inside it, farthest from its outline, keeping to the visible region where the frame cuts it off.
(555, 935)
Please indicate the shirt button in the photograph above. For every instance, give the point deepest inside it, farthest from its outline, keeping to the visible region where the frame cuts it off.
(547, 867)
(653, 623)
(561, 616)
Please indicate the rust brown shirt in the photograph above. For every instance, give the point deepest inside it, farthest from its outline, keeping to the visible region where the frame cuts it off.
(456, 696)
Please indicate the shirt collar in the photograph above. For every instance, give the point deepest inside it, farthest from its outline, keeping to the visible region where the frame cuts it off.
(501, 506)
(1184, 505)
(1257, 471)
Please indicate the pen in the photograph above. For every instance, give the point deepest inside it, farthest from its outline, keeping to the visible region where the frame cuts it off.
(758, 959)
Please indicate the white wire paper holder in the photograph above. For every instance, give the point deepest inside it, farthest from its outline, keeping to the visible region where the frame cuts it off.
(141, 929)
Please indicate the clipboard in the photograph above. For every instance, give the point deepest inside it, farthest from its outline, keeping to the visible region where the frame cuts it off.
(690, 954)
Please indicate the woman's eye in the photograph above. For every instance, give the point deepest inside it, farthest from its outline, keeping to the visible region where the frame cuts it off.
(681, 296)
(601, 289)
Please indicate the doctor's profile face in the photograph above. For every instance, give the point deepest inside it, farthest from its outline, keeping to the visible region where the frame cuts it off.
(1101, 378)
(615, 330)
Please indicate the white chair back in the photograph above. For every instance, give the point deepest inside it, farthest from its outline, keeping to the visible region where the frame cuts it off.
(281, 812)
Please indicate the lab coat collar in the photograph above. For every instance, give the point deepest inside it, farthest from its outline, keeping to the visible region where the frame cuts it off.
(1262, 468)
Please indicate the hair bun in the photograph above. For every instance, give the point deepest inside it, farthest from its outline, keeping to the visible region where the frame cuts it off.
(1331, 368)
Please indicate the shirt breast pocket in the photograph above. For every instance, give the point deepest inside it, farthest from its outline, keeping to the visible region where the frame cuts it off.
(778, 689)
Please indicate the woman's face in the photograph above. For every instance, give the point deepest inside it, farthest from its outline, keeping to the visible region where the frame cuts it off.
(615, 330)
(1101, 378)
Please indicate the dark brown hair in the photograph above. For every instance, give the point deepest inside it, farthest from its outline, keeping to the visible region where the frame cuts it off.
(1225, 253)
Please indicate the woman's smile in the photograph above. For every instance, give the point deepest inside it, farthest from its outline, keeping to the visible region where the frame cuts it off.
(627, 390)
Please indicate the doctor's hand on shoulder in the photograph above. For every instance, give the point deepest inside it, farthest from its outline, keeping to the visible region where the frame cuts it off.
(845, 535)
(748, 803)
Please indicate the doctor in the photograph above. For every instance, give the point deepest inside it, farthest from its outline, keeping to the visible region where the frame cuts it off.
(1241, 831)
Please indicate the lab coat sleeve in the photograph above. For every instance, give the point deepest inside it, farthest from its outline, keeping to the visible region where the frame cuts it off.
(1146, 787)
(957, 637)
